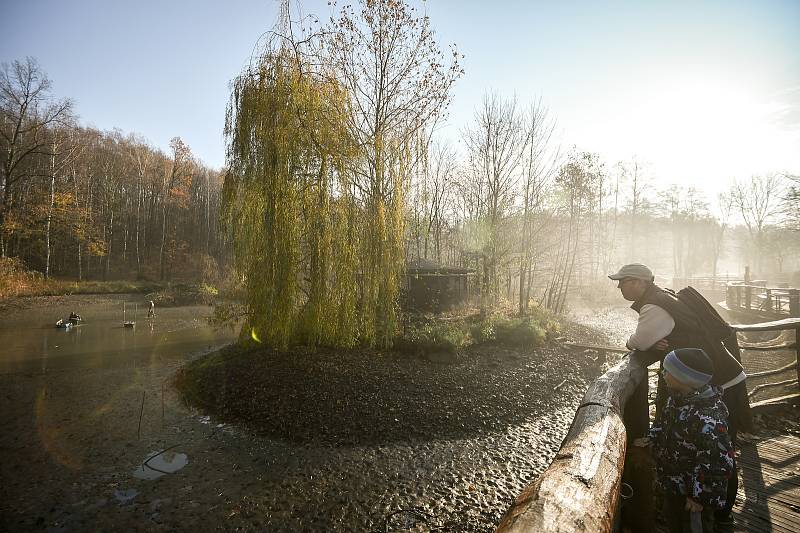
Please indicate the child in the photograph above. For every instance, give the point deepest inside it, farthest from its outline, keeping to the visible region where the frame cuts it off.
(693, 452)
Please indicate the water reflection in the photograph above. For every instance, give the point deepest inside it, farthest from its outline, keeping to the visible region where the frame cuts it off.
(30, 341)
(160, 464)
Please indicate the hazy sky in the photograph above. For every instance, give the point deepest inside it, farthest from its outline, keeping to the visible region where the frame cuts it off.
(700, 91)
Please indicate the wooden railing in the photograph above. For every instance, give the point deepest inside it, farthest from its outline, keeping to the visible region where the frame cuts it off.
(704, 283)
(767, 300)
(580, 490)
(792, 323)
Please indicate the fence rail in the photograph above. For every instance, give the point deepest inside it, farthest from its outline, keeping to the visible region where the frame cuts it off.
(786, 324)
(580, 490)
(773, 301)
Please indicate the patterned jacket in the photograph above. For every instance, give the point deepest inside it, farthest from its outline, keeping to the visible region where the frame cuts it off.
(692, 448)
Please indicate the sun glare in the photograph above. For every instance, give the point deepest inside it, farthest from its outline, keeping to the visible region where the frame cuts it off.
(705, 132)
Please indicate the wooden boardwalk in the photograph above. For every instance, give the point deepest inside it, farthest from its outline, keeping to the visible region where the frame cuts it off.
(769, 491)
(769, 487)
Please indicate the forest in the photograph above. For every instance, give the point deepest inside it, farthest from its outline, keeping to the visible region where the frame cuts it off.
(84, 204)
(336, 181)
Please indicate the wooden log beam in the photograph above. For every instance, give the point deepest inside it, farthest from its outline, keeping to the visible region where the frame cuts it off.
(598, 347)
(770, 385)
(775, 325)
(780, 370)
(579, 491)
(755, 348)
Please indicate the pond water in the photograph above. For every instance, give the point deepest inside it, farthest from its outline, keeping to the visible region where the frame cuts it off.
(159, 464)
(30, 342)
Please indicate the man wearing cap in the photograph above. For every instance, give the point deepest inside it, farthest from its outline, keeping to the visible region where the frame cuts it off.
(666, 324)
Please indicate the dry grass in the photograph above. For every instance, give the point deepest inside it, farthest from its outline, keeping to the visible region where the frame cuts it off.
(17, 280)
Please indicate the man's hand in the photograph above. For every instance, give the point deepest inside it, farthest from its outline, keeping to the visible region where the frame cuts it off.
(642, 442)
(693, 506)
(661, 345)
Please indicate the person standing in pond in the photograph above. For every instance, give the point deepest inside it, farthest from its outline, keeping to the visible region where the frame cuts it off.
(666, 324)
(151, 312)
(692, 448)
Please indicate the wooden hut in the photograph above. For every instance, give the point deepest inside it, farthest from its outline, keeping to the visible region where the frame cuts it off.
(434, 287)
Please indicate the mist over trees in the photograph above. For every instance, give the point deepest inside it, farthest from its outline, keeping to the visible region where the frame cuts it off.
(82, 204)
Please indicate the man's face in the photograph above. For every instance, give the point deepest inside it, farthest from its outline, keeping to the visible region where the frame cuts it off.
(632, 289)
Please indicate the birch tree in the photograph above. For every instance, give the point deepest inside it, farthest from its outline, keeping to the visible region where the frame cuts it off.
(27, 109)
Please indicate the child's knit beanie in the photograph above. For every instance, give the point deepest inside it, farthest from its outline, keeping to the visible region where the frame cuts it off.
(690, 366)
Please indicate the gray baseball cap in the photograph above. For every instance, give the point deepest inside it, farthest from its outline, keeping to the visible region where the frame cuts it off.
(635, 271)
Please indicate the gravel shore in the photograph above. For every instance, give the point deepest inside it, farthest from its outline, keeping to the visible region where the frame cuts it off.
(409, 444)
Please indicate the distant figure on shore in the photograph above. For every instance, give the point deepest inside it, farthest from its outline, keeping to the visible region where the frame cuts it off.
(151, 312)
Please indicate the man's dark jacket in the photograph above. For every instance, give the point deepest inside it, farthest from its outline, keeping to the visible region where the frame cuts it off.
(688, 333)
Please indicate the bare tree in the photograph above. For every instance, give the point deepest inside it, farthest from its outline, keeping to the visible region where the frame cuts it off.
(398, 83)
(432, 193)
(395, 74)
(26, 111)
(791, 202)
(539, 166)
(64, 151)
(718, 227)
(497, 142)
(759, 201)
(637, 203)
(577, 184)
(176, 186)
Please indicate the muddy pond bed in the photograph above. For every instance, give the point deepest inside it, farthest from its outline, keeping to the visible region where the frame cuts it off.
(349, 443)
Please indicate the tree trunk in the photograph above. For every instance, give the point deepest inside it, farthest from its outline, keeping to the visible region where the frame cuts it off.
(50, 210)
(77, 237)
(522, 302)
(138, 226)
(161, 254)
(108, 243)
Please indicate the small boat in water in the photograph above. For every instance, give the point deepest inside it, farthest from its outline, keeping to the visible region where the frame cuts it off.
(129, 323)
(64, 324)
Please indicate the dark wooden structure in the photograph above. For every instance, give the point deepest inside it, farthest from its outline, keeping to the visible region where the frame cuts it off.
(580, 490)
(434, 287)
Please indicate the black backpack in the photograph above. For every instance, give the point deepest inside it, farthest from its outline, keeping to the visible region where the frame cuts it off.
(715, 327)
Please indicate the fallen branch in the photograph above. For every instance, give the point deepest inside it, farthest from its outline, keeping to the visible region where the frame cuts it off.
(141, 412)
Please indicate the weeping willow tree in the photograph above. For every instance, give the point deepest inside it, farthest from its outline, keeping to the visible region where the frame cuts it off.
(319, 259)
(320, 145)
(287, 200)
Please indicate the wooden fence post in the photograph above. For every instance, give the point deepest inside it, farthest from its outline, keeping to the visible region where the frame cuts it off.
(794, 311)
(748, 296)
